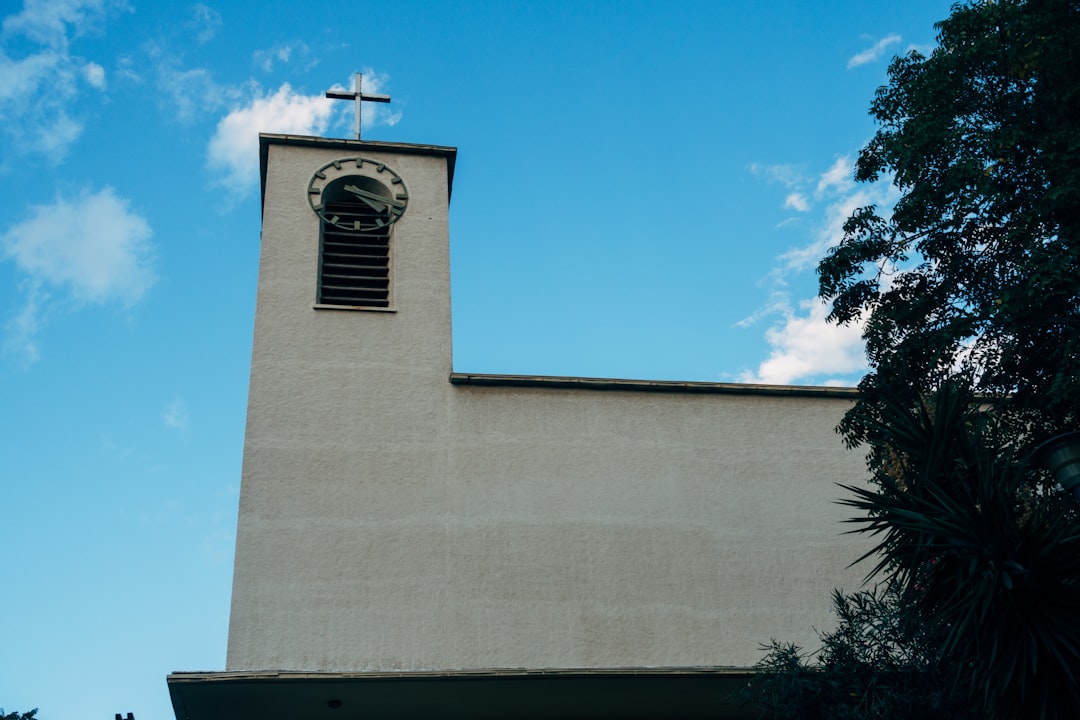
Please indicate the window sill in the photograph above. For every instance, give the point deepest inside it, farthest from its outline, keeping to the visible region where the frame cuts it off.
(361, 308)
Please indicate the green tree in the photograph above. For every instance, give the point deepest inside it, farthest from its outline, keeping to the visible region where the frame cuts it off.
(976, 271)
(31, 715)
(875, 664)
(969, 295)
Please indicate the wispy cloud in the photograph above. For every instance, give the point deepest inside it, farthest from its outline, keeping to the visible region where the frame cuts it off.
(89, 249)
(175, 416)
(840, 197)
(874, 52)
(20, 337)
(187, 94)
(294, 52)
(804, 348)
(787, 175)
(205, 22)
(49, 22)
(792, 177)
(38, 88)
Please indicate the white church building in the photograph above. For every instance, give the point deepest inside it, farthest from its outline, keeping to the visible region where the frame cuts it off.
(417, 541)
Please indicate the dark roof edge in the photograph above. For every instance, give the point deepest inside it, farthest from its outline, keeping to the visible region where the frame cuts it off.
(268, 139)
(238, 675)
(671, 386)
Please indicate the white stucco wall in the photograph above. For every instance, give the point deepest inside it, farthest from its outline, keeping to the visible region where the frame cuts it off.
(391, 520)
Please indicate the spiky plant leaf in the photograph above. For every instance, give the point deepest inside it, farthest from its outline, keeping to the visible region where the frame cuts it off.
(988, 557)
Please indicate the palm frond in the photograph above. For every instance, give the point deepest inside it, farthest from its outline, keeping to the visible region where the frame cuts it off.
(987, 559)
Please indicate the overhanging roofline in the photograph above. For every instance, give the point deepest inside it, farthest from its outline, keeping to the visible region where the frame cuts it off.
(180, 676)
(485, 694)
(268, 139)
(669, 386)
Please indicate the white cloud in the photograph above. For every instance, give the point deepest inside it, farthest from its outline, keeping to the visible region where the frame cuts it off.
(205, 21)
(873, 52)
(797, 201)
(94, 246)
(233, 150)
(232, 154)
(94, 74)
(91, 249)
(38, 88)
(175, 415)
(839, 177)
(805, 347)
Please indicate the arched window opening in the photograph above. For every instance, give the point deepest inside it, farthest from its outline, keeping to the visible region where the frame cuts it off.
(354, 248)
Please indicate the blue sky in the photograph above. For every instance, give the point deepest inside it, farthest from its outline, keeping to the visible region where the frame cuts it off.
(642, 191)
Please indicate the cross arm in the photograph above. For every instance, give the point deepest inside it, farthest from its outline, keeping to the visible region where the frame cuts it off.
(345, 95)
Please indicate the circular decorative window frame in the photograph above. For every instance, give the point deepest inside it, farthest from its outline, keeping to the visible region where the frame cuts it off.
(382, 173)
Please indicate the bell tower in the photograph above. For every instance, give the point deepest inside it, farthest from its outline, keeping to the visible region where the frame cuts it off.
(351, 356)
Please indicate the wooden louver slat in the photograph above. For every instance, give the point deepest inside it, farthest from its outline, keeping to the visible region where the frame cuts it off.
(354, 267)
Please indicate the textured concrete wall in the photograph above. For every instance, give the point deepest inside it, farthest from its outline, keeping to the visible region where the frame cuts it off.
(391, 520)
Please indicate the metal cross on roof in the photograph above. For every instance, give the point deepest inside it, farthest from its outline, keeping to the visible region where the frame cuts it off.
(356, 96)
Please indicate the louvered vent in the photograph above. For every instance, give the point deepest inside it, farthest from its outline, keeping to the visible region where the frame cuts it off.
(355, 264)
